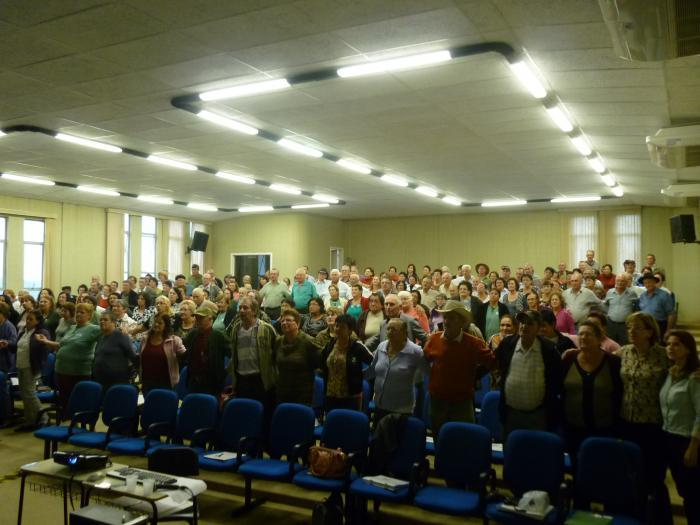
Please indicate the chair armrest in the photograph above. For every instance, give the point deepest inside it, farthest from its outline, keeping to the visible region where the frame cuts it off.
(203, 436)
(117, 422)
(300, 451)
(156, 430)
(251, 445)
(50, 410)
(86, 417)
(418, 476)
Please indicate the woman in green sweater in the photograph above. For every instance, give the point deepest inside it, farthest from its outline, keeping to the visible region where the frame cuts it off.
(297, 359)
(74, 354)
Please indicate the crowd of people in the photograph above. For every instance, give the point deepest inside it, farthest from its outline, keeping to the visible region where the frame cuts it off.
(581, 352)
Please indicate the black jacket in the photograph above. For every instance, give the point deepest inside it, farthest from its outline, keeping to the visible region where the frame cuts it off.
(357, 354)
(480, 316)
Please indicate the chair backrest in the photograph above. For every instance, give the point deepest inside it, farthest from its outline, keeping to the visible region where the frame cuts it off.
(319, 397)
(463, 452)
(241, 418)
(48, 377)
(484, 386)
(426, 410)
(159, 405)
(411, 448)
(533, 460)
(86, 396)
(5, 405)
(119, 401)
(291, 424)
(181, 387)
(366, 396)
(176, 461)
(347, 430)
(197, 411)
(610, 472)
(489, 416)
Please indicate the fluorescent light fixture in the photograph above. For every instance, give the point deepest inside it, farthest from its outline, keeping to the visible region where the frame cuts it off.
(2, 133)
(28, 180)
(528, 78)
(172, 163)
(608, 179)
(582, 145)
(285, 189)
(300, 148)
(556, 113)
(425, 190)
(597, 164)
(451, 200)
(307, 206)
(155, 199)
(244, 90)
(201, 206)
(98, 191)
(354, 166)
(235, 178)
(618, 191)
(88, 143)
(325, 198)
(254, 209)
(227, 122)
(510, 202)
(587, 198)
(394, 64)
(395, 180)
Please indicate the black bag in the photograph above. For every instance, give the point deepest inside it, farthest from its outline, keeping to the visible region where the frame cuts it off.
(329, 511)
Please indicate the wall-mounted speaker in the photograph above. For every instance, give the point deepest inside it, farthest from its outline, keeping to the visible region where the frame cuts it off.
(199, 242)
(683, 228)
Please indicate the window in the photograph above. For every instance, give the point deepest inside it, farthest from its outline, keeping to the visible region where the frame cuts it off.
(127, 246)
(33, 255)
(197, 257)
(3, 228)
(583, 231)
(176, 248)
(148, 245)
(628, 238)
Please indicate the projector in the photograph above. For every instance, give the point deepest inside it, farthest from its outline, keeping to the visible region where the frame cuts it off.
(80, 460)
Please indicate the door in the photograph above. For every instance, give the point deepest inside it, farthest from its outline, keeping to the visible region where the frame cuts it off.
(253, 264)
(336, 257)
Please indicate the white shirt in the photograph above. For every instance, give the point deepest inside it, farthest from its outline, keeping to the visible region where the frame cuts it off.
(23, 356)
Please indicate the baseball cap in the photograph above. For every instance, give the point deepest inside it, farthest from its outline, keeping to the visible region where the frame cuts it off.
(530, 316)
(207, 309)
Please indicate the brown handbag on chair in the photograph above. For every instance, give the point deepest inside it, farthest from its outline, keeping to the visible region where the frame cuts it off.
(327, 463)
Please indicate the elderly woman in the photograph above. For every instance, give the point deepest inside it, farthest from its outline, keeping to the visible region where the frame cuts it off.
(28, 304)
(176, 297)
(297, 360)
(680, 408)
(31, 357)
(50, 315)
(565, 321)
(334, 298)
(114, 354)
(75, 354)
(393, 369)
(341, 367)
(142, 313)
(592, 389)
(66, 322)
(371, 320)
(513, 299)
(436, 318)
(407, 308)
(315, 320)
(328, 333)
(357, 304)
(159, 356)
(643, 372)
(185, 322)
(222, 304)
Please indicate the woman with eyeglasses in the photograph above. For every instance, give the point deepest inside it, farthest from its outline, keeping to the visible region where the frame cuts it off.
(297, 360)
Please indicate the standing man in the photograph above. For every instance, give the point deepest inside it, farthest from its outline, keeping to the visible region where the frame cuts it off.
(343, 287)
(591, 262)
(322, 283)
(532, 378)
(428, 293)
(631, 270)
(578, 299)
(195, 279)
(621, 302)
(657, 302)
(455, 356)
(129, 295)
(302, 291)
(392, 308)
(210, 286)
(206, 352)
(273, 293)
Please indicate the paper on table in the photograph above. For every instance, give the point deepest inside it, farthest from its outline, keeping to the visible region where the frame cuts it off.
(497, 447)
(222, 456)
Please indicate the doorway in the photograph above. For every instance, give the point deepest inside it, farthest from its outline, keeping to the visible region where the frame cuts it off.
(336, 257)
(253, 264)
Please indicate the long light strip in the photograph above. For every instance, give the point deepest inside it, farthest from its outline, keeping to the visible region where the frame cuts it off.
(426, 190)
(228, 122)
(618, 191)
(556, 113)
(395, 180)
(283, 188)
(98, 191)
(88, 143)
(325, 198)
(155, 199)
(202, 206)
(511, 202)
(354, 166)
(244, 90)
(309, 206)
(597, 164)
(585, 198)
(235, 178)
(2, 133)
(451, 200)
(582, 145)
(300, 148)
(172, 163)
(28, 180)
(528, 78)
(608, 179)
(394, 64)
(255, 209)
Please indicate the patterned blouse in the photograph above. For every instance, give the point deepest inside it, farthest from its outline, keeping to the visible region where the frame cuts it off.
(642, 379)
(337, 373)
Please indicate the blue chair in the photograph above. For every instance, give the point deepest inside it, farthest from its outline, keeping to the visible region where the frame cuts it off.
(291, 435)
(317, 403)
(119, 414)
(158, 416)
(240, 431)
(366, 397)
(483, 389)
(611, 472)
(5, 399)
(491, 420)
(196, 423)
(347, 430)
(407, 462)
(429, 445)
(47, 392)
(83, 409)
(181, 387)
(533, 460)
(463, 460)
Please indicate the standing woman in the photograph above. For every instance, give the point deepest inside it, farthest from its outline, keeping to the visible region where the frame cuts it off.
(418, 314)
(341, 367)
(513, 299)
(159, 351)
(334, 299)
(315, 320)
(680, 407)
(114, 354)
(50, 315)
(186, 321)
(357, 304)
(565, 321)
(297, 360)
(324, 336)
(643, 371)
(66, 322)
(31, 358)
(371, 320)
(28, 304)
(176, 297)
(75, 354)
